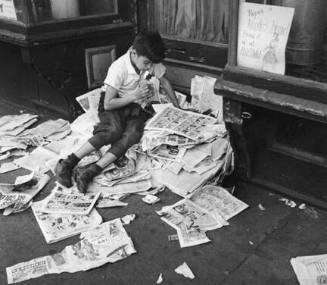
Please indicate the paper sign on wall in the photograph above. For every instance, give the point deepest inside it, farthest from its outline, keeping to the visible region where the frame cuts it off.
(262, 36)
(7, 9)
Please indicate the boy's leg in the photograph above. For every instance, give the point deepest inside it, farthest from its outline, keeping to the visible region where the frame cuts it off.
(131, 135)
(107, 131)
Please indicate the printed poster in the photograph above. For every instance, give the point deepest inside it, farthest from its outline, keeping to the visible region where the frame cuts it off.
(7, 9)
(262, 36)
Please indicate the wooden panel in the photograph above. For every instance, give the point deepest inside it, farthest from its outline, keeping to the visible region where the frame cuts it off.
(180, 75)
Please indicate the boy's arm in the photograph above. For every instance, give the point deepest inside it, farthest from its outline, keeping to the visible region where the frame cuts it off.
(112, 102)
(169, 90)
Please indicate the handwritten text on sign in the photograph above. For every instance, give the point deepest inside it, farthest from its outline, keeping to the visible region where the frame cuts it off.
(7, 9)
(262, 36)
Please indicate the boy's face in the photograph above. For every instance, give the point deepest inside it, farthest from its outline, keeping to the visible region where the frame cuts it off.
(140, 61)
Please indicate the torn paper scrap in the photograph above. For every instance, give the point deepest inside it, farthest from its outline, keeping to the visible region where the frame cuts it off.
(108, 242)
(126, 220)
(56, 227)
(288, 202)
(160, 279)
(185, 270)
(262, 208)
(150, 199)
(302, 206)
(8, 166)
(105, 201)
(24, 179)
(64, 202)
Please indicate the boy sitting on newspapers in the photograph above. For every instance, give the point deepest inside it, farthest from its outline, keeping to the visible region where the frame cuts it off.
(121, 109)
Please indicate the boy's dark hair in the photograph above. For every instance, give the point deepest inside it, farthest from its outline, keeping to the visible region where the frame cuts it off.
(150, 45)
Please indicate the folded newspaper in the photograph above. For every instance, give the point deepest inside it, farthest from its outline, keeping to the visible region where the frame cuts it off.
(56, 227)
(109, 242)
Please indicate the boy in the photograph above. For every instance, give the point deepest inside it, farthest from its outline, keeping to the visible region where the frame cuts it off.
(122, 119)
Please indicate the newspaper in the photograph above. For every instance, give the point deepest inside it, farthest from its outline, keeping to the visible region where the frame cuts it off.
(219, 148)
(109, 242)
(310, 270)
(204, 166)
(106, 201)
(69, 202)
(90, 100)
(37, 159)
(123, 168)
(195, 155)
(152, 139)
(15, 124)
(187, 213)
(48, 129)
(56, 227)
(9, 143)
(218, 202)
(188, 124)
(185, 182)
(15, 198)
(8, 167)
(168, 152)
(191, 236)
(204, 97)
(119, 189)
(153, 86)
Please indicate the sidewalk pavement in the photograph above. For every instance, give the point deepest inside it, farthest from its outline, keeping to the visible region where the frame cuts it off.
(254, 249)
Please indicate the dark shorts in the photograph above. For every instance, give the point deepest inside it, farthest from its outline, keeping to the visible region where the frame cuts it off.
(121, 128)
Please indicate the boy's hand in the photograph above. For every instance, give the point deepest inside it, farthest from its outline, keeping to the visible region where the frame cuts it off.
(142, 92)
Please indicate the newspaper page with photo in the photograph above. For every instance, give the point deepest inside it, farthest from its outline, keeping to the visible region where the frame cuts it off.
(69, 202)
(188, 213)
(191, 236)
(218, 202)
(56, 227)
(168, 152)
(109, 242)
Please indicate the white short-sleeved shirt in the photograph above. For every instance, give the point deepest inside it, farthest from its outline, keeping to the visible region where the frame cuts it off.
(123, 76)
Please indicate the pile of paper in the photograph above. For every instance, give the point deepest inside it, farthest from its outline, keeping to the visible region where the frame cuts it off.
(16, 197)
(190, 147)
(310, 270)
(13, 125)
(16, 137)
(206, 209)
(109, 242)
